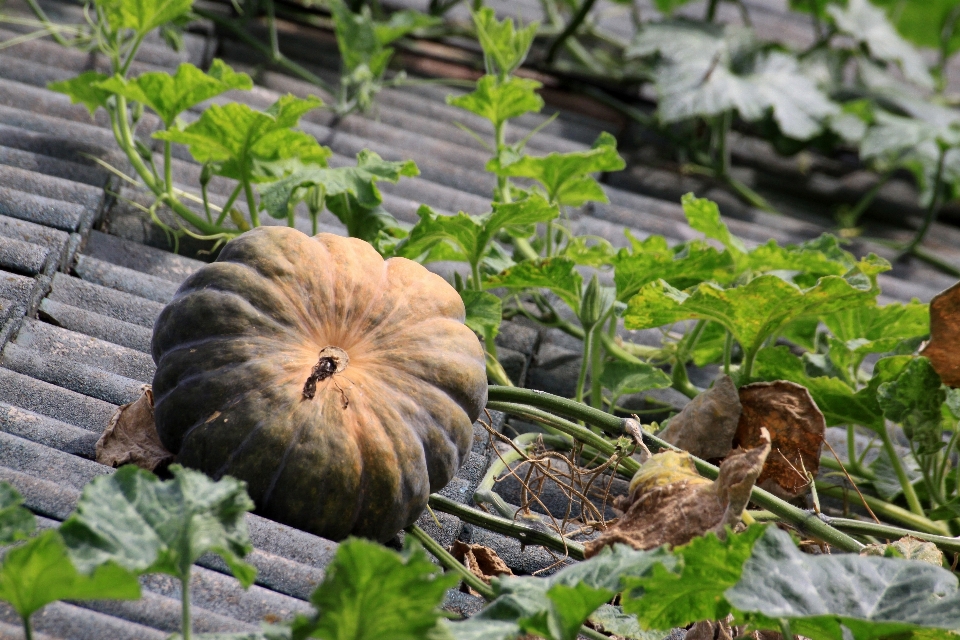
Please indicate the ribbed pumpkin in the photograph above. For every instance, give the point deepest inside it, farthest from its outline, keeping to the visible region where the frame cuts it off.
(341, 387)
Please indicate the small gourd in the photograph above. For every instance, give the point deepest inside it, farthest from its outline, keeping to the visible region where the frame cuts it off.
(340, 386)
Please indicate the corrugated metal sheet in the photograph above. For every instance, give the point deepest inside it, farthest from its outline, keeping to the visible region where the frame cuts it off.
(83, 277)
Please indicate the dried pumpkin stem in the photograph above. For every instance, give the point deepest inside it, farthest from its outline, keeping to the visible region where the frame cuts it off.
(503, 398)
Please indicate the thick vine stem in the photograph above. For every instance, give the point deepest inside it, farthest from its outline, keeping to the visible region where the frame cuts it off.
(891, 511)
(808, 523)
(524, 533)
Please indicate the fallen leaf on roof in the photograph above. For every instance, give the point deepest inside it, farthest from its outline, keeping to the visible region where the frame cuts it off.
(907, 547)
(796, 428)
(943, 349)
(131, 437)
(706, 425)
(482, 561)
(670, 503)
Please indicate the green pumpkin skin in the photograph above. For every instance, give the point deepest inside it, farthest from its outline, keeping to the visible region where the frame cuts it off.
(237, 344)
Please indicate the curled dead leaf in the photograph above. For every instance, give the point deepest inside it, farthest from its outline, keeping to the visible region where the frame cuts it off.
(943, 349)
(796, 429)
(670, 503)
(908, 547)
(482, 561)
(131, 437)
(706, 425)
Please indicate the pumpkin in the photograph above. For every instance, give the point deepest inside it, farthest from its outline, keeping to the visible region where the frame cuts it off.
(340, 386)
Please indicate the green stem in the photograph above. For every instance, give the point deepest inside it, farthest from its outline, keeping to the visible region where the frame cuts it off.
(711, 10)
(496, 372)
(856, 471)
(525, 534)
(746, 369)
(750, 196)
(887, 510)
(451, 563)
(185, 629)
(251, 201)
(503, 182)
(908, 491)
(934, 209)
(168, 167)
(131, 55)
(948, 544)
(42, 17)
(850, 218)
(727, 352)
(569, 30)
(808, 523)
(282, 61)
(922, 254)
(27, 628)
(584, 364)
(596, 368)
(233, 198)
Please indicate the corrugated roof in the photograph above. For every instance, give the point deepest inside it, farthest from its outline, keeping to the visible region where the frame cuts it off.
(83, 276)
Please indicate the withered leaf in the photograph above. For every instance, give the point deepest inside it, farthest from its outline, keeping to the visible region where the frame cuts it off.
(943, 349)
(910, 548)
(131, 437)
(706, 425)
(670, 503)
(482, 561)
(796, 429)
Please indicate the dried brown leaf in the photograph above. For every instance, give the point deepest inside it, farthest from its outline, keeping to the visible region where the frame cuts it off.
(706, 425)
(796, 429)
(910, 548)
(482, 561)
(943, 349)
(131, 437)
(670, 503)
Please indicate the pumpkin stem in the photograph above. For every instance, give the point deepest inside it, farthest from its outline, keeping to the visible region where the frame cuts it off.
(332, 360)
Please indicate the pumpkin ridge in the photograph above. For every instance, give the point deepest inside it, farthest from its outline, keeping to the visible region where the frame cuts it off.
(200, 375)
(240, 447)
(233, 279)
(294, 442)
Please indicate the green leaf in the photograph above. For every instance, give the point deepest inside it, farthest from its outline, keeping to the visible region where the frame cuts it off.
(484, 311)
(693, 589)
(402, 23)
(374, 224)
(499, 101)
(39, 572)
(922, 21)
(16, 523)
(872, 597)
(860, 331)
(810, 260)
(667, 6)
(359, 182)
(143, 16)
(682, 266)
(886, 482)
(556, 606)
(358, 40)
(565, 176)
(556, 274)
(948, 511)
(504, 46)
(149, 526)
(612, 620)
(371, 592)
(706, 70)
(84, 89)
(839, 403)
(704, 216)
(590, 251)
(868, 25)
(241, 143)
(756, 310)
(913, 400)
(170, 95)
(622, 378)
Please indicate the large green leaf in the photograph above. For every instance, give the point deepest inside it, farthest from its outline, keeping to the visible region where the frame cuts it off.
(16, 522)
(632, 377)
(692, 590)
(170, 95)
(84, 89)
(556, 606)
(241, 143)
(358, 182)
(566, 176)
(143, 16)
(504, 46)
(39, 572)
(860, 331)
(470, 236)
(872, 597)
(149, 526)
(402, 23)
(682, 266)
(704, 216)
(706, 70)
(922, 21)
(358, 40)
(914, 399)
(371, 592)
(556, 274)
(484, 311)
(498, 101)
(868, 25)
(756, 310)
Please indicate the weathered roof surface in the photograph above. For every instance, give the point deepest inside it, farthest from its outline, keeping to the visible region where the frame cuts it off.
(83, 277)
